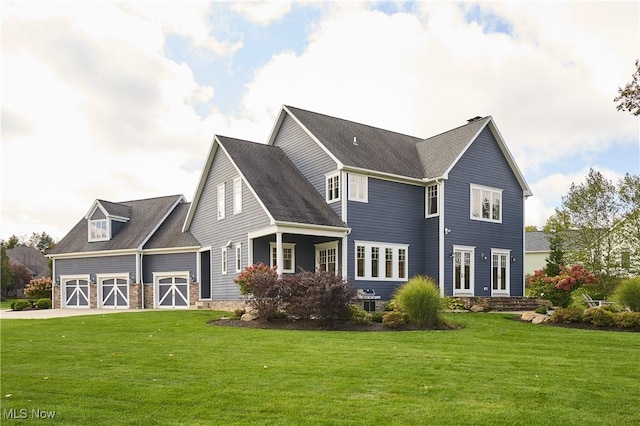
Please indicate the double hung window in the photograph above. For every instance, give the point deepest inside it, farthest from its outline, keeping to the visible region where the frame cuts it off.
(333, 187)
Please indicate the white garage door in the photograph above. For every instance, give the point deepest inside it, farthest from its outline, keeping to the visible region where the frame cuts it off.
(114, 292)
(75, 292)
(172, 291)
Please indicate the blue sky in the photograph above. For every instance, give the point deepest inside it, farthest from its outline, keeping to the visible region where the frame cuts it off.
(120, 101)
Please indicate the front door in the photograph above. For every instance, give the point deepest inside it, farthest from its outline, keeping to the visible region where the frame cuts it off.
(114, 292)
(76, 292)
(463, 272)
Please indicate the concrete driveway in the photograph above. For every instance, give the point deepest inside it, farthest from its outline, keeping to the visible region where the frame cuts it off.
(58, 313)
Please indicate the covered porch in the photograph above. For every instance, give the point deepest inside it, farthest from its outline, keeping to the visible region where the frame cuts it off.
(292, 247)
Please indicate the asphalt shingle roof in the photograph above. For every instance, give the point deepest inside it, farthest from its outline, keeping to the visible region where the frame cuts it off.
(116, 209)
(535, 241)
(438, 153)
(284, 191)
(386, 151)
(377, 149)
(145, 216)
(170, 233)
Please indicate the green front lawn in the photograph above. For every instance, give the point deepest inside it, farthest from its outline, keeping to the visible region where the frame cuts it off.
(172, 368)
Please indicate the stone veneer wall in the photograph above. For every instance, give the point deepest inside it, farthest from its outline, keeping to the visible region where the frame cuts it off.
(93, 296)
(134, 296)
(55, 295)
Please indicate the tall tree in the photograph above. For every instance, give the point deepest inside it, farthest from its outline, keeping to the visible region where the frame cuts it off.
(556, 230)
(6, 280)
(592, 209)
(629, 96)
(12, 242)
(41, 241)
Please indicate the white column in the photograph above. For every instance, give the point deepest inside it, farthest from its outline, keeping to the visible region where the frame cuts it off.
(279, 253)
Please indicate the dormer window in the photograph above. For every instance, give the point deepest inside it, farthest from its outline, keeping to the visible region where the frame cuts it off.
(98, 230)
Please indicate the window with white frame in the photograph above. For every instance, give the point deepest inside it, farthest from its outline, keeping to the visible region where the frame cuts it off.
(500, 271)
(333, 187)
(381, 261)
(486, 203)
(237, 195)
(358, 188)
(327, 257)
(223, 260)
(238, 257)
(221, 199)
(98, 230)
(288, 257)
(432, 200)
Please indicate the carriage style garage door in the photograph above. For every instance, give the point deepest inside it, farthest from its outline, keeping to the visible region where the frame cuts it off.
(75, 292)
(114, 291)
(171, 290)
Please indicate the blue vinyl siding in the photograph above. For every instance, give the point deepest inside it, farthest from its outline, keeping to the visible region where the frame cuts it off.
(484, 164)
(305, 253)
(393, 214)
(96, 265)
(177, 262)
(210, 231)
(312, 161)
(432, 248)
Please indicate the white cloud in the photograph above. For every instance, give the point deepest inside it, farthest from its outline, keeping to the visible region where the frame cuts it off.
(92, 107)
(262, 12)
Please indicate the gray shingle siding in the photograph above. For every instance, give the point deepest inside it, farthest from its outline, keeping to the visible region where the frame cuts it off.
(484, 164)
(308, 157)
(97, 215)
(210, 231)
(96, 265)
(174, 262)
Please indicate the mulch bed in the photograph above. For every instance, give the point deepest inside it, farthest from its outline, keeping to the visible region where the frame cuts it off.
(288, 324)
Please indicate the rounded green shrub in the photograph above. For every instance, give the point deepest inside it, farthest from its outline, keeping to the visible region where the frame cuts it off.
(599, 317)
(572, 314)
(394, 319)
(377, 317)
(44, 303)
(627, 319)
(420, 299)
(21, 305)
(628, 294)
(358, 315)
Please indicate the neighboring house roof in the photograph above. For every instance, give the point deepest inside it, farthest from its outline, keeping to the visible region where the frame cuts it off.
(285, 193)
(170, 234)
(32, 259)
(359, 146)
(536, 241)
(146, 216)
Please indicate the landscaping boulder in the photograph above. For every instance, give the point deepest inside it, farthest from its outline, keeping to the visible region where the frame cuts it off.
(540, 318)
(248, 316)
(528, 316)
(477, 308)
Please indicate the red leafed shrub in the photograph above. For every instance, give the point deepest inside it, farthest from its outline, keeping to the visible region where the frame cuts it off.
(320, 295)
(245, 278)
(558, 289)
(570, 278)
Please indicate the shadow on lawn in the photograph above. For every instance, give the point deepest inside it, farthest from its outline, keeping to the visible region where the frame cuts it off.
(291, 324)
